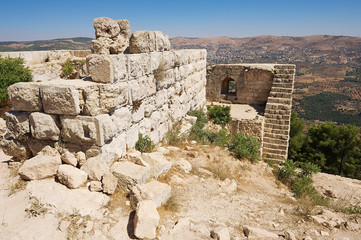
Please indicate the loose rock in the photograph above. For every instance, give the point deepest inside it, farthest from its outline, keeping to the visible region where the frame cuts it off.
(39, 167)
(146, 220)
(71, 176)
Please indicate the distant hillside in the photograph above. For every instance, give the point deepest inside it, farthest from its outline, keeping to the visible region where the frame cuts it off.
(78, 43)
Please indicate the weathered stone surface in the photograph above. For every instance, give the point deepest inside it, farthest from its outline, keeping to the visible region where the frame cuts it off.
(158, 163)
(18, 123)
(71, 176)
(106, 27)
(146, 220)
(132, 136)
(119, 45)
(122, 119)
(49, 151)
(289, 235)
(39, 167)
(148, 41)
(17, 149)
(44, 126)
(129, 174)
(95, 186)
(124, 26)
(111, 96)
(25, 97)
(81, 158)
(60, 99)
(100, 46)
(36, 145)
(69, 158)
(95, 167)
(109, 183)
(252, 232)
(220, 233)
(182, 164)
(65, 200)
(156, 191)
(101, 68)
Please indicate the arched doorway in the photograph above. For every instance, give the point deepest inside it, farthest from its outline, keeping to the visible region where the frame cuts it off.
(228, 87)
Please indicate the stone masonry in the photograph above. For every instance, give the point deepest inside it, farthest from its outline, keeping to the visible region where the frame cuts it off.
(270, 87)
(125, 95)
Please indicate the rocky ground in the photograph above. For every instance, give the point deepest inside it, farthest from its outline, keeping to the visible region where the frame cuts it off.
(213, 194)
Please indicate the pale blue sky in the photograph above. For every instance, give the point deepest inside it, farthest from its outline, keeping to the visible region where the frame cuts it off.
(46, 19)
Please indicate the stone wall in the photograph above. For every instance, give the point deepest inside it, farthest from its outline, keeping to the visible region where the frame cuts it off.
(128, 94)
(268, 85)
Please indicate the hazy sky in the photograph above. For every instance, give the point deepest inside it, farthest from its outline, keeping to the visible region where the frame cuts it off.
(46, 19)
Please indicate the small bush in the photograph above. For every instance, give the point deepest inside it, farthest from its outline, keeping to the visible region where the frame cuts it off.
(245, 147)
(287, 172)
(302, 186)
(68, 68)
(144, 144)
(308, 169)
(198, 133)
(220, 115)
(173, 135)
(202, 118)
(12, 71)
(220, 138)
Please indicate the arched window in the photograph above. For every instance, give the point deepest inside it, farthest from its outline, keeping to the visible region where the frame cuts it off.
(228, 87)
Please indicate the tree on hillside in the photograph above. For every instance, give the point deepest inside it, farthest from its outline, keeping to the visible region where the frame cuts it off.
(296, 136)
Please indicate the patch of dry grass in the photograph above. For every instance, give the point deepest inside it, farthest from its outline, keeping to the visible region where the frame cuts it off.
(118, 199)
(36, 208)
(18, 186)
(173, 202)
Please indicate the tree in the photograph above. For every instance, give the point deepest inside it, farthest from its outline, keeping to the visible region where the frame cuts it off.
(296, 136)
(12, 71)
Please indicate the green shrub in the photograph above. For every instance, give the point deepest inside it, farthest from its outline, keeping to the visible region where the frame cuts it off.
(220, 115)
(173, 135)
(220, 138)
(245, 147)
(68, 68)
(287, 172)
(12, 71)
(302, 187)
(144, 144)
(308, 169)
(198, 133)
(202, 118)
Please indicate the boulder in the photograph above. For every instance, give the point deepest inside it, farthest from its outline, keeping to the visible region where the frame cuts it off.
(15, 148)
(124, 26)
(49, 151)
(100, 46)
(252, 232)
(129, 174)
(70, 176)
(148, 41)
(44, 126)
(146, 220)
(81, 158)
(109, 183)
(158, 163)
(39, 167)
(69, 158)
(36, 145)
(95, 186)
(119, 45)
(101, 68)
(183, 165)
(106, 27)
(18, 123)
(25, 97)
(220, 233)
(95, 167)
(156, 191)
(289, 235)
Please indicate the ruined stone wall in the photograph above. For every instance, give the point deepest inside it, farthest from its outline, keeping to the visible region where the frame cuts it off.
(269, 85)
(128, 94)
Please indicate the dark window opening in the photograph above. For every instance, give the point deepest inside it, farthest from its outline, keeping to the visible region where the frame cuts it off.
(228, 87)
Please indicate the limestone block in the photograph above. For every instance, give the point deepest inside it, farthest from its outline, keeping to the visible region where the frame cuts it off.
(36, 145)
(106, 27)
(129, 174)
(17, 123)
(95, 186)
(120, 62)
(106, 126)
(220, 233)
(112, 96)
(49, 151)
(122, 119)
(70, 176)
(25, 97)
(158, 163)
(124, 26)
(154, 61)
(132, 136)
(180, 57)
(146, 220)
(183, 165)
(44, 126)
(69, 158)
(138, 113)
(138, 65)
(118, 45)
(81, 158)
(109, 183)
(60, 99)
(15, 148)
(100, 45)
(156, 191)
(95, 167)
(91, 100)
(252, 232)
(40, 166)
(148, 41)
(101, 68)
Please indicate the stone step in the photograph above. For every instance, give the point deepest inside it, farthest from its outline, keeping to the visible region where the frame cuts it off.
(275, 146)
(274, 151)
(281, 90)
(276, 131)
(274, 141)
(274, 156)
(279, 100)
(280, 95)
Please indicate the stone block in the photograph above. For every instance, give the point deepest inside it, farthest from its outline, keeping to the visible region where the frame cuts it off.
(91, 100)
(101, 68)
(15, 148)
(36, 145)
(95, 167)
(257, 233)
(158, 163)
(115, 148)
(44, 126)
(39, 167)
(18, 123)
(122, 119)
(25, 97)
(106, 126)
(70, 176)
(120, 62)
(148, 41)
(112, 96)
(69, 158)
(132, 136)
(156, 191)
(129, 174)
(146, 220)
(220, 233)
(109, 183)
(60, 99)
(95, 186)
